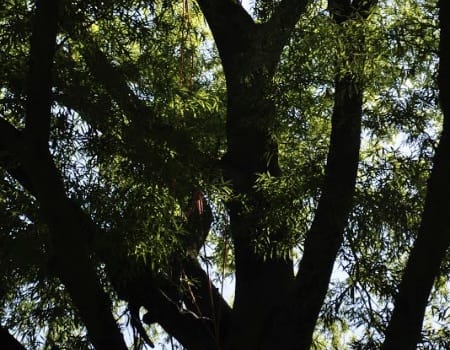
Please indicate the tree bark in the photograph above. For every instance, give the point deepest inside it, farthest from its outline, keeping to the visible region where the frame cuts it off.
(39, 78)
(249, 54)
(69, 239)
(433, 240)
(8, 341)
(325, 236)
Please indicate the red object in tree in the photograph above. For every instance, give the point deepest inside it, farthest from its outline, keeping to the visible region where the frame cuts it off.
(197, 199)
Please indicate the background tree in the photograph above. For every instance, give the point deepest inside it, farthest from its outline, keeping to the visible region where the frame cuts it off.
(140, 167)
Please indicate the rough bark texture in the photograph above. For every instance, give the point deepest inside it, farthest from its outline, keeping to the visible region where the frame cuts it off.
(266, 292)
(433, 240)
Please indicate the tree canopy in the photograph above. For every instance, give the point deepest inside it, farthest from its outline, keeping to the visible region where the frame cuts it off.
(215, 175)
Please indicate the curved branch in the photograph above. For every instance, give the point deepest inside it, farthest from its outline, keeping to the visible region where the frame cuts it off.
(71, 261)
(433, 240)
(228, 21)
(37, 172)
(196, 315)
(137, 325)
(162, 301)
(208, 300)
(193, 332)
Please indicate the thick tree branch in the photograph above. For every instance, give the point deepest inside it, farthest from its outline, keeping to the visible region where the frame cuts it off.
(10, 137)
(11, 140)
(39, 80)
(70, 262)
(444, 55)
(185, 303)
(288, 13)
(199, 293)
(70, 236)
(136, 323)
(164, 303)
(193, 332)
(325, 236)
(283, 21)
(208, 300)
(326, 233)
(8, 342)
(250, 53)
(71, 257)
(207, 309)
(228, 21)
(433, 239)
(234, 33)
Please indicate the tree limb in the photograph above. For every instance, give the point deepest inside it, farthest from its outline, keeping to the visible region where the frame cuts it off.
(137, 325)
(228, 21)
(162, 301)
(186, 303)
(208, 300)
(283, 20)
(11, 141)
(43, 43)
(433, 240)
(8, 341)
(193, 332)
(71, 261)
(185, 299)
(10, 137)
(326, 233)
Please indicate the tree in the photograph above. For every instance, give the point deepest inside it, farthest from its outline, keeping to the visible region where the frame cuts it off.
(136, 161)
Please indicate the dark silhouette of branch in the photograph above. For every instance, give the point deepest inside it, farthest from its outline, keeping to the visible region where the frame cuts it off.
(37, 172)
(326, 233)
(8, 342)
(433, 240)
(282, 22)
(39, 77)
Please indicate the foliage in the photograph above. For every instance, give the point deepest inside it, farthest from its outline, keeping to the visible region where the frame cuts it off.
(135, 177)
